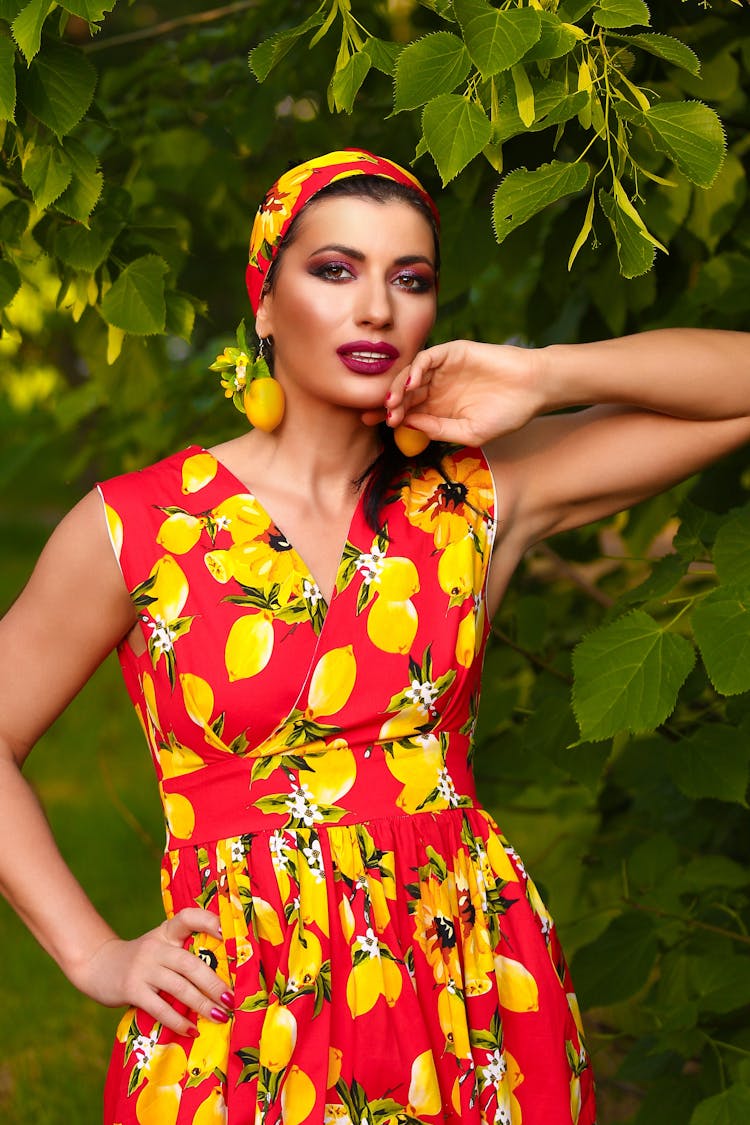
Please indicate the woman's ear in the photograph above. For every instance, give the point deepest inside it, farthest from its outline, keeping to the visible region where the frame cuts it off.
(263, 317)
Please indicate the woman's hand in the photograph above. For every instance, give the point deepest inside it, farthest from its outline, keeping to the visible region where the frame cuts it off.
(466, 392)
(150, 970)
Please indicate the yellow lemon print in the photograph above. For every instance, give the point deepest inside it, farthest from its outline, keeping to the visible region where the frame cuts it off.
(346, 915)
(466, 640)
(198, 697)
(198, 471)
(249, 645)
(332, 681)
(278, 1037)
(456, 1097)
(304, 960)
(499, 860)
(331, 775)
(209, 1051)
(114, 526)
(338, 1113)
(149, 694)
(179, 533)
(404, 723)
(180, 815)
(452, 1016)
(213, 1111)
(219, 564)
(267, 922)
(335, 1057)
(391, 625)
(575, 1098)
(575, 1009)
(297, 1097)
(456, 569)
(158, 1105)
(424, 1092)
(369, 980)
(170, 589)
(243, 517)
(398, 579)
(516, 986)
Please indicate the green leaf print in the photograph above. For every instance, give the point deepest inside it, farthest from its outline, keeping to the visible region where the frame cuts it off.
(254, 1003)
(249, 1057)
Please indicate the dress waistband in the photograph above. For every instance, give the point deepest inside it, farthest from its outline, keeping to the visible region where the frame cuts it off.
(317, 787)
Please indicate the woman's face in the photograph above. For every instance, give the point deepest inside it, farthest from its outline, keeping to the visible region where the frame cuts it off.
(353, 301)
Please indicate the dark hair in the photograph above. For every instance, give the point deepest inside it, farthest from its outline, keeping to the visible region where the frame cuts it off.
(391, 468)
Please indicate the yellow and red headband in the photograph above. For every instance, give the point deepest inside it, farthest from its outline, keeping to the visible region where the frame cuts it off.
(296, 187)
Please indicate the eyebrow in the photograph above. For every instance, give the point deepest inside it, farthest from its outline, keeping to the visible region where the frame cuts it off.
(405, 260)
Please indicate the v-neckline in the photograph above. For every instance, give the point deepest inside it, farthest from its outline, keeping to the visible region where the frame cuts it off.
(248, 490)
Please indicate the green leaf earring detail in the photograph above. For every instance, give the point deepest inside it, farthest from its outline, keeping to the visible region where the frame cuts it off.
(246, 379)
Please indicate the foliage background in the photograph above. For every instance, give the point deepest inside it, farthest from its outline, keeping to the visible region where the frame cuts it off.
(637, 828)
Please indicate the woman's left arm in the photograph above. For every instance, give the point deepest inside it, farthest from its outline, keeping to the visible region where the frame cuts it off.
(669, 402)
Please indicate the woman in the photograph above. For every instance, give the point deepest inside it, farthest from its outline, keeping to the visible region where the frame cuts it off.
(349, 937)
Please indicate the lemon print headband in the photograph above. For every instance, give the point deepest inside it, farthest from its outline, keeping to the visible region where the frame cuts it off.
(296, 187)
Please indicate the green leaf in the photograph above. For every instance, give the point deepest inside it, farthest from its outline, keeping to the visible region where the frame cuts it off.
(731, 1107)
(668, 48)
(585, 230)
(732, 549)
(180, 315)
(10, 282)
(79, 199)
(572, 10)
(59, 87)
(497, 40)
(621, 13)
(135, 303)
(46, 172)
(383, 54)
(431, 66)
(716, 209)
(627, 676)
(346, 82)
(635, 253)
(618, 963)
(85, 248)
(556, 39)
(664, 576)
(7, 79)
(552, 107)
(27, 27)
(721, 624)
(689, 132)
(711, 763)
(455, 130)
(271, 51)
(14, 219)
(524, 94)
(523, 194)
(91, 10)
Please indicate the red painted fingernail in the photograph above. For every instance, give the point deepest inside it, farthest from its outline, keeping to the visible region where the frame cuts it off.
(192, 1033)
(389, 415)
(218, 1016)
(389, 396)
(227, 999)
(407, 384)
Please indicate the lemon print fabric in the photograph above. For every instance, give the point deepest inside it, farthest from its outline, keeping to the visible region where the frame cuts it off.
(390, 958)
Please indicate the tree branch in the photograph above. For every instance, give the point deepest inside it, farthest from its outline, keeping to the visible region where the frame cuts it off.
(170, 25)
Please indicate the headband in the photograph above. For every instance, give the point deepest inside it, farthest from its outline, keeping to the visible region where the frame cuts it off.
(296, 188)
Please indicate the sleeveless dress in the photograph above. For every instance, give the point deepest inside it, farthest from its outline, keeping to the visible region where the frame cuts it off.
(391, 960)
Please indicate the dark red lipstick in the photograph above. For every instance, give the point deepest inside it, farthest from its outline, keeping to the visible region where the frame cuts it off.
(368, 358)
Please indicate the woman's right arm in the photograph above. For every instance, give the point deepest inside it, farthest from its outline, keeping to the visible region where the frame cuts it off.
(72, 613)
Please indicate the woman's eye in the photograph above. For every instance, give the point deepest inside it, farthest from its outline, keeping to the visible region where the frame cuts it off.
(413, 282)
(333, 271)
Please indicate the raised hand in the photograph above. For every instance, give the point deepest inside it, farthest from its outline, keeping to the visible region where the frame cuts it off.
(147, 971)
(467, 392)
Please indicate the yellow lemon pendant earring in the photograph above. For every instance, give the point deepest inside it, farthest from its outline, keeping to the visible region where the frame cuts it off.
(248, 381)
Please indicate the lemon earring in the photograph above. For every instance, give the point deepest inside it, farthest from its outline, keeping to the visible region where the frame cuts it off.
(264, 399)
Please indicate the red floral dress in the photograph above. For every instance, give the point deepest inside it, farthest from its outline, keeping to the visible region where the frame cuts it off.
(391, 960)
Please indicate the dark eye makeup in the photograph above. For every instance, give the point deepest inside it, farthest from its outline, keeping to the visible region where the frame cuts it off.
(413, 281)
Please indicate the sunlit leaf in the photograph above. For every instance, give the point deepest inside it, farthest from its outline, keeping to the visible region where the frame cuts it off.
(85, 248)
(556, 39)
(455, 130)
(522, 194)
(634, 251)
(497, 40)
(621, 13)
(730, 1107)
(27, 27)
(81, 196)
(7, 79)
(689, 132)
(271, 51)
(347, 81)
(668, 48)
(431, 66)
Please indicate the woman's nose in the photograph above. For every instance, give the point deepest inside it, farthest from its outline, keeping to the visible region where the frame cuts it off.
(374, 305)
